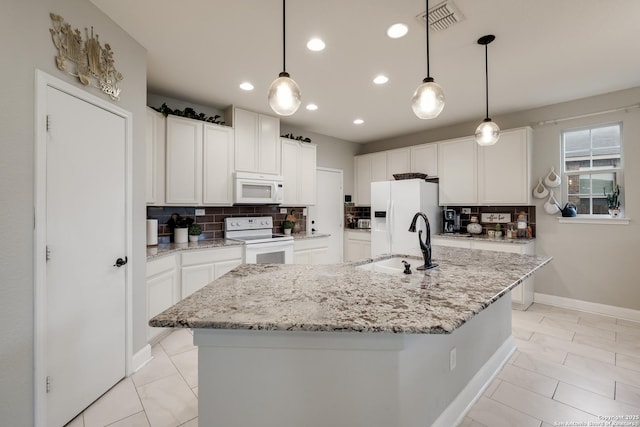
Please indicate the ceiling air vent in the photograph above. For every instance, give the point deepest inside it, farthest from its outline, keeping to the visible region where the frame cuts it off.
(442, 16)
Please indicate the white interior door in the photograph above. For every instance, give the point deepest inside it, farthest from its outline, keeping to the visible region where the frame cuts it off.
(86, 234)
(327, 215)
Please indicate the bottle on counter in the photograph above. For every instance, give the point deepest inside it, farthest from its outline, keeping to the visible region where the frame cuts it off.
(522, 224)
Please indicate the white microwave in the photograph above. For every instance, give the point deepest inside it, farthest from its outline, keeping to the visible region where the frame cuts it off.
(258, 189)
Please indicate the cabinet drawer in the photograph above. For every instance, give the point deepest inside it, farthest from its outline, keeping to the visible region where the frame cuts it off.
(310, 243)
(212, 255)
(358, 235)
(157, 266)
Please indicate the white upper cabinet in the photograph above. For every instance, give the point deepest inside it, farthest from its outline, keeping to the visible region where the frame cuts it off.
(424, 159)
(155, 140)
(218, 155)
(184, 161)
(368, 168)
(457, 171)
(398, 161)
(199, 160)
(299, 172)
(504, 169)
(257, 141)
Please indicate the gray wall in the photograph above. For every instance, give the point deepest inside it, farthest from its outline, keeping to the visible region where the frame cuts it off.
(26, 45)
(595, 263)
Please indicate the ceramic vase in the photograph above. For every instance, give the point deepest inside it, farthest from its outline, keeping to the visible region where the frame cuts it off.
(614, 213)
(180, 235)
(474, 226)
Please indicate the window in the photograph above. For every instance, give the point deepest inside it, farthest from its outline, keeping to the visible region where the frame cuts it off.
(592, 163)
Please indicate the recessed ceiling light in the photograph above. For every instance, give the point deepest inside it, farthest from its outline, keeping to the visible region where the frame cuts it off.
(381, 79)
(315, 45)
(246, 86)
(358, 121)
(312, 107)
(397, 30)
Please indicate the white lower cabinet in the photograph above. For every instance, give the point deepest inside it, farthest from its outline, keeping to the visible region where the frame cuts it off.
(201, 267)
(173, 277)
(312, 250)
(521, 295)
(357, 245)
(162, 289)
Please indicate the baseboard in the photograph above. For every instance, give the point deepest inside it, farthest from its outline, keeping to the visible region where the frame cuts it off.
(458, 408)
(141, 358)
(588, 307)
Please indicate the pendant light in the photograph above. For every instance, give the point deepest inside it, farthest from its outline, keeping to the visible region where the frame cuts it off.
(487, 132)
(284, 93)
(428, 99)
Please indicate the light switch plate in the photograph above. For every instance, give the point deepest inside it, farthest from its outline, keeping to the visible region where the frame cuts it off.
(466, 211)
(199, 212)
(283, 210)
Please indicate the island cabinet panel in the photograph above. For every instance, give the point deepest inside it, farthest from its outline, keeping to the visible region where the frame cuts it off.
(199, 163)
(424, 159)
(357, 245)
(155, 157)
(504, 169)
(368, 168)
(398, 161)
(457, 169)
(201, 267)
(184, 161)
(257, 141)
(299, 172)
(312, 250)
(162, 285)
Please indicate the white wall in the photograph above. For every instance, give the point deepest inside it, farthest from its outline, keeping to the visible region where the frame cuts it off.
(595, 263)
(26, 45)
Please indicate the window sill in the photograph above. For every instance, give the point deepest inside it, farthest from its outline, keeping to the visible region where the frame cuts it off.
(593, 219)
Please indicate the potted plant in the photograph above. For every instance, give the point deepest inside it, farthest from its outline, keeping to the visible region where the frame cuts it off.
(613, 201)
(195, 230)
(287, 226)
(180, 226)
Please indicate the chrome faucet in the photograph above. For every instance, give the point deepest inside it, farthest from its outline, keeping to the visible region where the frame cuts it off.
(425, 246)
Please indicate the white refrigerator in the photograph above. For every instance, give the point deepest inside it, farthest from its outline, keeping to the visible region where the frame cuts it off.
(393, 205)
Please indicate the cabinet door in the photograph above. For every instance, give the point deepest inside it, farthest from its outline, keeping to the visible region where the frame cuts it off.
(378, 167)
(155, 157)
(245, 124)
(290, 171)
(223, 267)
(398, 161)
(268, 144)
(457, 168)
(362, 175)
(306, 174)
(159, 297)
(195, 277)
(504, 170)
(184, 161)
(218, 154)
(424, 159)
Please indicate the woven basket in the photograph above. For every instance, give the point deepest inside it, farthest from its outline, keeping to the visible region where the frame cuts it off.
(412, 175)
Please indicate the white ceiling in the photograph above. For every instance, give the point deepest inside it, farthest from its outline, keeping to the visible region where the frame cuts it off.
(545, 52)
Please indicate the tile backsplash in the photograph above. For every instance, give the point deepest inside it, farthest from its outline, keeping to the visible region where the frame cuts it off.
(212, 221)
(357, 212)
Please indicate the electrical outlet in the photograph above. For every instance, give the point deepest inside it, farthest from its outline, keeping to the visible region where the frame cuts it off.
(199, 212)
(304, 211)
(283, 210)
(466, 211)
(452, 359)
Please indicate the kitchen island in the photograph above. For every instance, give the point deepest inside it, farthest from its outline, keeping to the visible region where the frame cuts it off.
(294, 345)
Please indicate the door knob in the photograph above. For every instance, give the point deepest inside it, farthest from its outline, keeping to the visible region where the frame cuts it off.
(120, 262)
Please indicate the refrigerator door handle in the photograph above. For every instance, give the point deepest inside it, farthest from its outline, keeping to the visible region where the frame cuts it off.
(390, 223)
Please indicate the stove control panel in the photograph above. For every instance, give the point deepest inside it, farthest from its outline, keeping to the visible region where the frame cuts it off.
(247, 223)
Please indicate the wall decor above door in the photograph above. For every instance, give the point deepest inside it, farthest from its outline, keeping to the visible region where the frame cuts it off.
(93, 61)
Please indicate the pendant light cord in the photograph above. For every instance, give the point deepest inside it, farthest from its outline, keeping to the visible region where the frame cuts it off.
(486, 77)
(284, 38)
(426, 20)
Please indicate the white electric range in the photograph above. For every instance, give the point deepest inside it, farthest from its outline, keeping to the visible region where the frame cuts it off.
(261, 245)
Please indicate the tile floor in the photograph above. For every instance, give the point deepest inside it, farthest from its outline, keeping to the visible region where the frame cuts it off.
(570, 366)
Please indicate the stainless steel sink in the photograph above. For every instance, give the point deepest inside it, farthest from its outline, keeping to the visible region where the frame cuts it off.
(392, 265)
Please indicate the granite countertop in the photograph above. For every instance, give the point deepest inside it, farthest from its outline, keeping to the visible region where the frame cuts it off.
(358, 230)
(167, 248)
(484, 238)
(300, 236)
(341, 297)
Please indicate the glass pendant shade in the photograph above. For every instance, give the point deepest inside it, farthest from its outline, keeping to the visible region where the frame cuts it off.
(428, 100)
(487, 133)
(284, 95)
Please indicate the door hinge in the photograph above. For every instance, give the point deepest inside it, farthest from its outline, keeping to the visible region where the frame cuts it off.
(48, 384)
(48, 122)
(47, 253)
